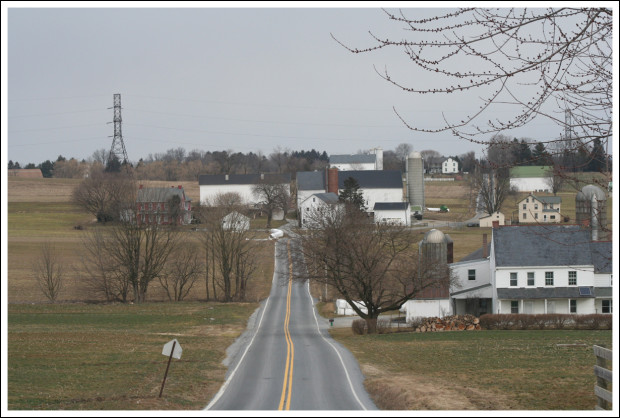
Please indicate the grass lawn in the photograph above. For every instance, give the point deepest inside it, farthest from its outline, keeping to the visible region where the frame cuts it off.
(78, 356)
(484, 370)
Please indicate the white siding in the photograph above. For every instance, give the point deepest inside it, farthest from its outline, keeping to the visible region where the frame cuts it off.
(210, 192)
(427, 308)
(353, 167)
(529, 184)
(372, 196)
(401, 217)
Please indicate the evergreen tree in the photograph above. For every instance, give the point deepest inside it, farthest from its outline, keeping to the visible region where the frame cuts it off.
(351, 194)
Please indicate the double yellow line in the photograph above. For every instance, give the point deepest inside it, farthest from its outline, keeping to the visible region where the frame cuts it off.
(287, 387)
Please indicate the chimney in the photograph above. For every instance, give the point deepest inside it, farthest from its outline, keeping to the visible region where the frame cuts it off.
(140, 186)
(226, 177)
(180, 187)
(495, 224)
(484, 246)
(262, 176)
(332, 180)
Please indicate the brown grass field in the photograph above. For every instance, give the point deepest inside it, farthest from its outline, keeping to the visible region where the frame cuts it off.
(92, 356)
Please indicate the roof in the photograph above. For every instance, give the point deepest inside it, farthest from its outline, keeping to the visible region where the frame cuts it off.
(544, 293)
(477, 255)
(373, 179)
(159, 194)
(352, 159)
(544, 199)
(391, 206)
(602, 256)
(220, 179)
(548, 245)
(310, 180)
(328, 198)
(530, 171)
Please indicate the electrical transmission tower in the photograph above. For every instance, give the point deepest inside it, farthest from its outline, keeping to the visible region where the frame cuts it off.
(118, 146)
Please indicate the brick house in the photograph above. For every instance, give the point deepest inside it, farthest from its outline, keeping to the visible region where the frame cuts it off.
(163, 206)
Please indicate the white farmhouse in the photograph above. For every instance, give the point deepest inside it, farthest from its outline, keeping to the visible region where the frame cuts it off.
(449, 166)
(312, 205)
(550, 269)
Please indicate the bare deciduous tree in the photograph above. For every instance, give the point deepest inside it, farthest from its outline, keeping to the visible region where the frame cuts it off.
(492, 185)
(99, 273)
(375, 264)
(542, 62)
(229, 252)
(181, 272)
(105, 195)
(49, 271)
(273, 195)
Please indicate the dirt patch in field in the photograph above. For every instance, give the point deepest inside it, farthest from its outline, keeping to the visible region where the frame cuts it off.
(406, 392)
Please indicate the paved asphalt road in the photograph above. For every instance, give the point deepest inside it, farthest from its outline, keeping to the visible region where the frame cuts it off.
(286, 360)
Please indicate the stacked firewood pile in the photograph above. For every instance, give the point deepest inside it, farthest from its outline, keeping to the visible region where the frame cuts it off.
(447, 323)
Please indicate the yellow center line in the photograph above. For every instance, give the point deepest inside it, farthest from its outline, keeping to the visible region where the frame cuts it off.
(290, 348)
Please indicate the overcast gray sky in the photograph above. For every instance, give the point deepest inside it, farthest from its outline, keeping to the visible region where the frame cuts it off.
(236, 79)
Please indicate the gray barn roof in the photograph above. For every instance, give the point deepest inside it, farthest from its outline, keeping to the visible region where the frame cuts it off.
(220, 179)
(391, 206)
(311, 180)
(352, 159)
(373, 179)
(329, 198)
(548, 245)
(159, 194)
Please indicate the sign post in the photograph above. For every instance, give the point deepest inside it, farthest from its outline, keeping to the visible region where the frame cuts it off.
(173, 349)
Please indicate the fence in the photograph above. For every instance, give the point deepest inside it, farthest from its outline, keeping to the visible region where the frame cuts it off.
(603, 378)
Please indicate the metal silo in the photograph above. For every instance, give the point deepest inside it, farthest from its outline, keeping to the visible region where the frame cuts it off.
(591, 210)
(415, 180)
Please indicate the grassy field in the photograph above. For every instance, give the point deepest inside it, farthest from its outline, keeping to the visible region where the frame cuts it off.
(78, 356)
(481, 370)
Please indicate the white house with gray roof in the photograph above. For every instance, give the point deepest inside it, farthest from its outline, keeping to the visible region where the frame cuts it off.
(309, 207)
(535, 269)
(550, 269)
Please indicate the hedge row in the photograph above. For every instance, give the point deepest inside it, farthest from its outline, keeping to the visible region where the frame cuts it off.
(546, 321)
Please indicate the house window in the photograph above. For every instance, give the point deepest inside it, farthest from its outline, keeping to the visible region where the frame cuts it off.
(524, 206)
(524, 215)
(536, 206)
(471, 274)
(552, 216)
(513, 279)
(530, 278)
(573, 305)
(548, 278)
(527, 200)
(536, 216)
(572, 278)
(514, 306)
(607, 306)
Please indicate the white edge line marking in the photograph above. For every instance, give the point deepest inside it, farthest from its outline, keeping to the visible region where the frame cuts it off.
(335, 349)
(225, 385)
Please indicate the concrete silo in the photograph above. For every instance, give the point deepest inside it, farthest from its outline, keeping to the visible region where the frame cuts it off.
(591, 211)
(437, 247)
(415, 180)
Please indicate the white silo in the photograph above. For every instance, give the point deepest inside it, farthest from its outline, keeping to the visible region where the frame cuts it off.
(415, 179)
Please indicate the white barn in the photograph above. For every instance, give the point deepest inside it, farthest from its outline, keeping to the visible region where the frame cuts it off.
(217, 184)
(393, 212)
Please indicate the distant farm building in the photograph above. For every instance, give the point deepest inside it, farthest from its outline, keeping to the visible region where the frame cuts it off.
(31, 173)
(534, 178)
(163, 206)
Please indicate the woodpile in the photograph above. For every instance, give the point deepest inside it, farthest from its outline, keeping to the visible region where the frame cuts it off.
(449, 323)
